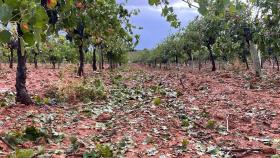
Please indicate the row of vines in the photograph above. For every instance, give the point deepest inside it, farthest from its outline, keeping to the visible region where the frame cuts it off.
(225, 31)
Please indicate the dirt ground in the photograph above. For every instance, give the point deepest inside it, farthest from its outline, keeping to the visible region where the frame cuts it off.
(227, 113)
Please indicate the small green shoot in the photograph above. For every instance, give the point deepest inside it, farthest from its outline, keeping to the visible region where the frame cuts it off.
(157, 101)
(211, 124)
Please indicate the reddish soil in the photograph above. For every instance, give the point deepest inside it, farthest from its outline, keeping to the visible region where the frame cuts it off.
(248, 107)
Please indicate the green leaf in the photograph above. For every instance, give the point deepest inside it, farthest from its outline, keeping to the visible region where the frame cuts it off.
(29, 38)
(154, 2)
(41, 17)
(5, 36)
(91, 154)
(32, 133)
(37, 34)
(12, 3)
(104, 150)
(232, 9)
(165, 11)
(5, 13)
(275, 156)
(23, 153)
(202, 10)
(67, 5)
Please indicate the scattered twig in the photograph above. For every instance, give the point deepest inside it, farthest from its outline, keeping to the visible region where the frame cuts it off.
(199, 125)
(7, 143)
(275, 131)
(190, 4)
(227, 122)
(182, 84)
(36, 155)
(242, 150)
(248, 150)
(75, 155)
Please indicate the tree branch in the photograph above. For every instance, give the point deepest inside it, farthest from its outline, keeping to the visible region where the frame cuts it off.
(190, 4)
(7, 143)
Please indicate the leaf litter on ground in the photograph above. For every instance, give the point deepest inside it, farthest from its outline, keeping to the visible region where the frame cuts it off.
(147, 113)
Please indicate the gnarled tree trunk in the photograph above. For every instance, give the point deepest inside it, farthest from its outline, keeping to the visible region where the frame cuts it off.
(211, 57)
(53, 63)
(199, 64)
(11, 58)
(82, 58)
(244, 55)
(94, 67)
(277, 63)
(22, 95)
(35, 60)
(102, 60)
(110, 60)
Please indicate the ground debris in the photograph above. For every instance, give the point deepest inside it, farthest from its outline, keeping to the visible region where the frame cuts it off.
(152, 112)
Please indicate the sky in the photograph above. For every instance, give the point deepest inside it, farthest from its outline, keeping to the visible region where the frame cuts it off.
(155, 27)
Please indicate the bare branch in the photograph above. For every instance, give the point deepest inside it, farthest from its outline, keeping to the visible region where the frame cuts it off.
(190, 4)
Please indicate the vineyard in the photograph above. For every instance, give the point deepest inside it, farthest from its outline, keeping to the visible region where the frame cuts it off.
(73, 84)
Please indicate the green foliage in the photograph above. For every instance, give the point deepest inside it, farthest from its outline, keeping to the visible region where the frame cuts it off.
(31, 17)
(167, 12)
(93, 90)
(52, 92)
(116, 79)
(75, 144)
(32, 133)
(157, 89)
(41, 101)
(211, 124)
(14, 138)
(5, 13)
(185, 123)
(8, 98)
(5, 36)
(88, 90)
(91, 154)
(185, 143)
(38, 24)
(157, 101)
(22, 153)
(58, 50)
(219, 34)
(275, 156)
(18, 137)
(102, 151)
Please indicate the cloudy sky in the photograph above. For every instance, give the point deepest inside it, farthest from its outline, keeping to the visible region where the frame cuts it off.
(155, 27)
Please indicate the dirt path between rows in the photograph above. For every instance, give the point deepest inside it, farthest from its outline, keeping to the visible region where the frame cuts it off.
(200, 114)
